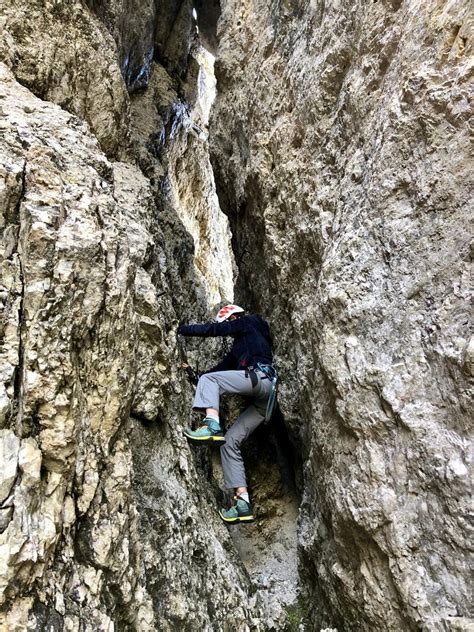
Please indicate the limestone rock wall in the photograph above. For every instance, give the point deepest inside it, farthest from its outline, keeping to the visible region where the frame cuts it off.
(64, 55)
(107, 517)
(340, 150)
(340, 146)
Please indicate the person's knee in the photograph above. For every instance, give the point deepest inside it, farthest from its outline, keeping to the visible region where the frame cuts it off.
(230, 446)
(203, 379)
(207, 378)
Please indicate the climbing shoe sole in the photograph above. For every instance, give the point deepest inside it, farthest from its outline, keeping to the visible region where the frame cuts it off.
(211, 439)
(245, 519)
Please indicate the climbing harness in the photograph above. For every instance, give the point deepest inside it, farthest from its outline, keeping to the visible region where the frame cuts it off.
(271, 374)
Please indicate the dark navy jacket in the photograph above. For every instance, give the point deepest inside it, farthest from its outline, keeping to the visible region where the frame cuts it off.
(252, 342)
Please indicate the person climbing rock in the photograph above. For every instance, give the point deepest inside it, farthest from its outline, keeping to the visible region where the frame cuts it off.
(246, 370)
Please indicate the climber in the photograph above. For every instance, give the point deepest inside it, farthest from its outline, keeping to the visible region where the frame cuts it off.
(245, 370)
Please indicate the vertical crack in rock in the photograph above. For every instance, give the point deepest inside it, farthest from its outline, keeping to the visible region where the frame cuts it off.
(268, 548)
(19, 370)
(18, 379)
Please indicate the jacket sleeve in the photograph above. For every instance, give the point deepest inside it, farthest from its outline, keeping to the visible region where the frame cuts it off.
(226, 364)
(227, 328)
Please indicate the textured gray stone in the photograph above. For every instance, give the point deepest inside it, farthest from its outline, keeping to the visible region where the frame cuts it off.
(340, 144)
(49, 46)
(9, 448)
(132, 25)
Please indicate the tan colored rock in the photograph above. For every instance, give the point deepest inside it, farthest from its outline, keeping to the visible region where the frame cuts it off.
(190, 183)
(9, 449)
(49, 46)
(108, 522)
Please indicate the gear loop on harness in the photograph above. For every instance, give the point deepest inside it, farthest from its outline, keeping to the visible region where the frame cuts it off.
(272, 375)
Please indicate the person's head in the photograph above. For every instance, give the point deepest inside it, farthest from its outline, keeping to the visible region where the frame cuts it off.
(229, 312)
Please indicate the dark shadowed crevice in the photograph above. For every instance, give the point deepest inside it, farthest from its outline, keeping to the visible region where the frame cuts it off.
(149, 31)
(133, 29)
(268, 548)
(208, 13)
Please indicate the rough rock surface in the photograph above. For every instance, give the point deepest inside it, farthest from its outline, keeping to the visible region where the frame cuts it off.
(107, 517)
(76, 301)
(132, 25)
(147, 30)
(65, 55)
(340, 145)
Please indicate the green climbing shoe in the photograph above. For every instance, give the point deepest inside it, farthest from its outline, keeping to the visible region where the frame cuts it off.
(210, 432)
(241, 511)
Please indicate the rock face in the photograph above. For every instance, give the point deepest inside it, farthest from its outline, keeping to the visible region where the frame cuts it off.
(107, 517)
(340, 150)
(64, 55)
(340, 146)
(81, 325)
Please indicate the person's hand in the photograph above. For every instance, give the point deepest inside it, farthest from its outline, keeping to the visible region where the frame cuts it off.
(191, 374)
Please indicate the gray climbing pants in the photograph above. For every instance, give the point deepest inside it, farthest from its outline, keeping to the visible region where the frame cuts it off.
(210, 387)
